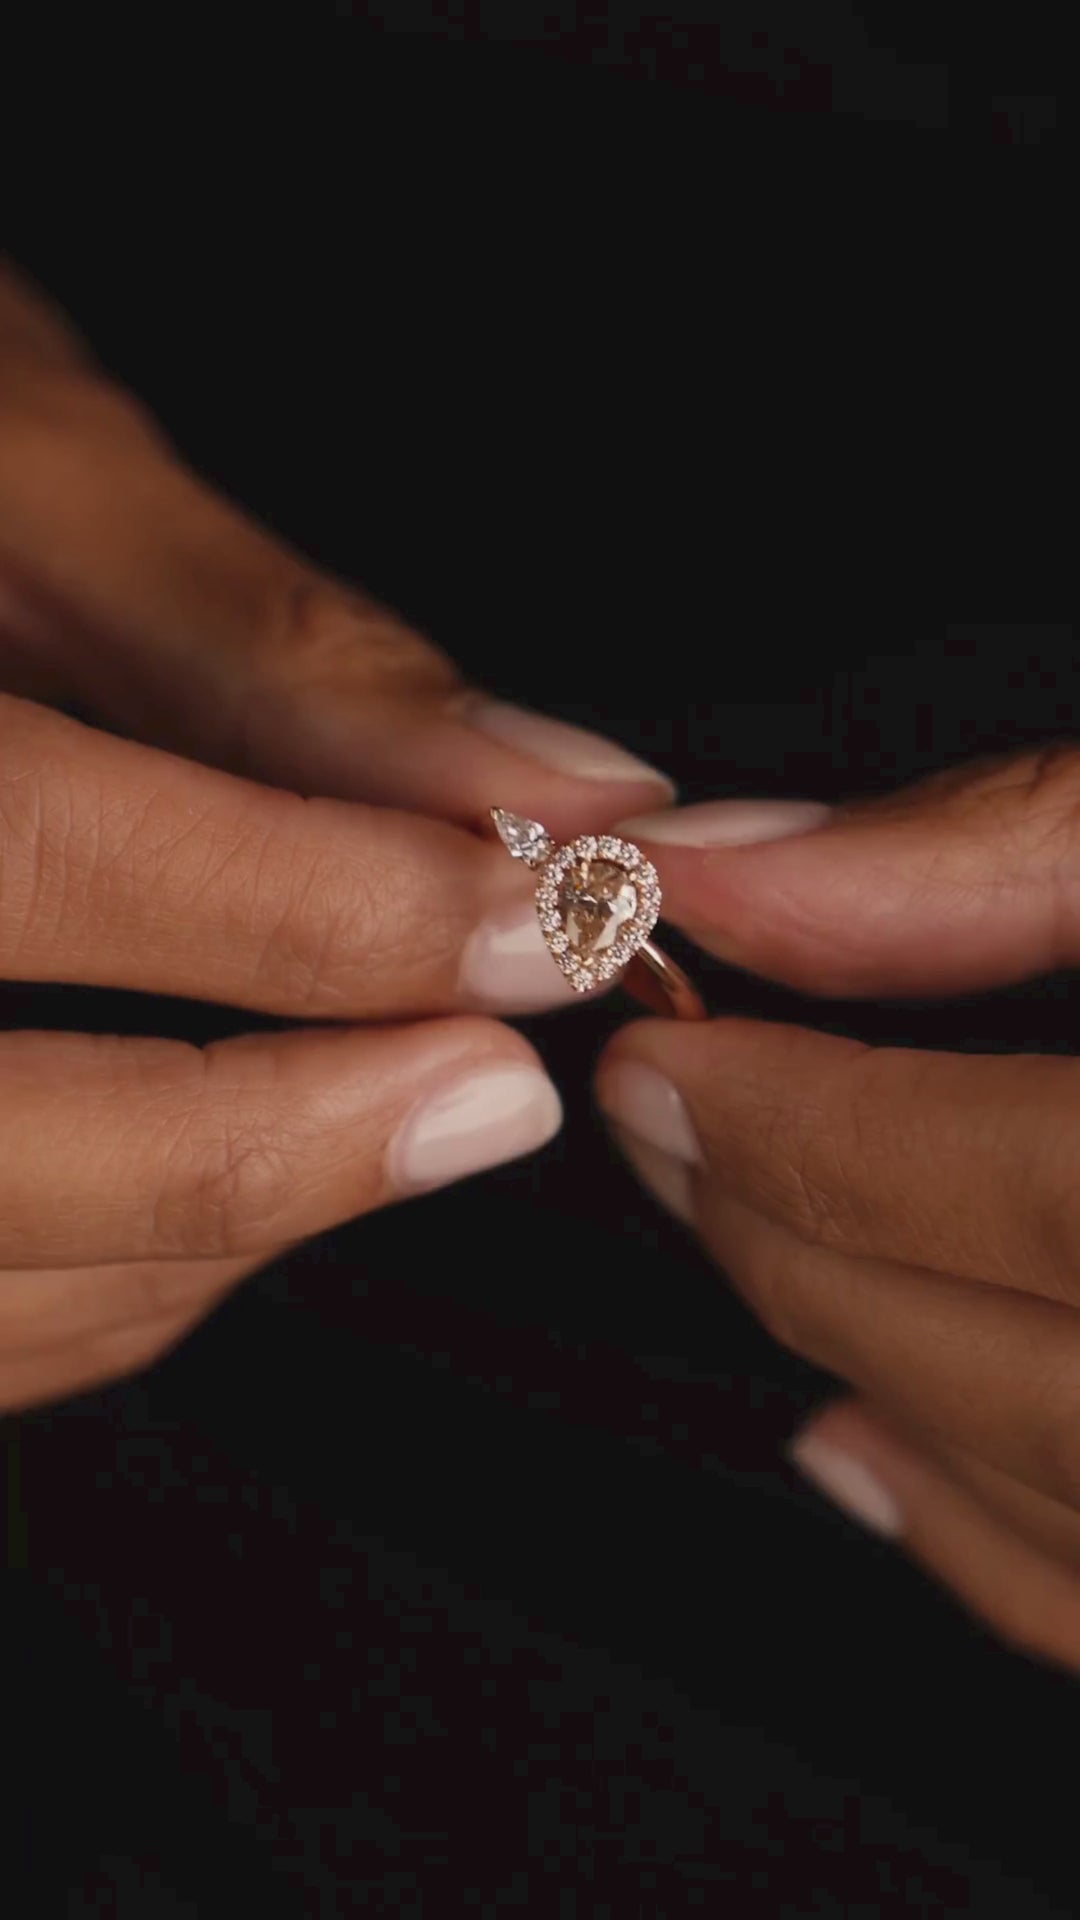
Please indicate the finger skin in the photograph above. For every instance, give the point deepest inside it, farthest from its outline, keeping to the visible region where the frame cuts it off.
(970, 880)
(30, 1379)
(45, 1310)
(67, 1329)
(32, 328)
(962, 1164)
(1048, 1525)
(145, 1149)
(976, 1367)
(1029, 1598)
(171, 614)
(122, 866)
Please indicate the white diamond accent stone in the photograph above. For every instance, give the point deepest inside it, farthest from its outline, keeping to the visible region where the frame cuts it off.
(523, 839)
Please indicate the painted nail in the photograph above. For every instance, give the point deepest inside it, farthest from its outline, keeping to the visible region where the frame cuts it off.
(492, 1115)
(506, 964)
(667, 1179)
(641, 1100)
(847, 1482)
(728, 823)
(556, 744)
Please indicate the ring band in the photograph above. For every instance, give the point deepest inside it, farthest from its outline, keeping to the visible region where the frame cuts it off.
(654, 980)
(598, 900)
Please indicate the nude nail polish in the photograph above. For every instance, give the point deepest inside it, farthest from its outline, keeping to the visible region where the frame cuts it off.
(728, 823)
(491, 1115)
(507, 965)
(557, 744)
(643, 1102)
(848, 1482)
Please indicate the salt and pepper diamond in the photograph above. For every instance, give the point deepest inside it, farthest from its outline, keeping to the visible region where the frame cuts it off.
(597, 899)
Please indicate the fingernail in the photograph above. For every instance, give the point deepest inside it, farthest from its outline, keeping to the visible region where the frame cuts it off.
(493, 1115)
(667, 1179)
(641, 1100)
(566, 749)
(506, 963)
(847, 1482)
(728, 823)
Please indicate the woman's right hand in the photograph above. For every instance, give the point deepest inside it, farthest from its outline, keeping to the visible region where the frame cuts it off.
(139, 1178)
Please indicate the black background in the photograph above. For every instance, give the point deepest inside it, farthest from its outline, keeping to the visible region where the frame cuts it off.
(453, 1566)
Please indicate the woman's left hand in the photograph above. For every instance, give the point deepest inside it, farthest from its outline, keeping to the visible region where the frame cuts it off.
(909, 1220)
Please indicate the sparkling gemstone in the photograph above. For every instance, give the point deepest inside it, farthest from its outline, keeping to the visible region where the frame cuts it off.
(525, 839)
(596, 899)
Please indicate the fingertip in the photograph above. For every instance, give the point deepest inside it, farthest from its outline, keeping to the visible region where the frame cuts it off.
(644, 1102)
(668, 1178)
(728, 823)
(842, 1455)
(456, 757)
(507, 966)
(480, 1117)
(557, 745)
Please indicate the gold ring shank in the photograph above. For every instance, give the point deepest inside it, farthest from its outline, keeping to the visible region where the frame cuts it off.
(660, 985)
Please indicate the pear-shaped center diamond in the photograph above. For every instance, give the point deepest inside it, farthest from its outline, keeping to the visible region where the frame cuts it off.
(596, 898)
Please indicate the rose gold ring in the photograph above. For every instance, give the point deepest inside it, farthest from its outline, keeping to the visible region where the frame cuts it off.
(598, 900)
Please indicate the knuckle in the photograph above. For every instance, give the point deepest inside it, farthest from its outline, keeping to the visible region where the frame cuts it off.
(69, 846)
(224, 1187)
(1032, 796)
(835, 1155)
(326, 918)
(316, 634)
(337, 925)
(1047, 780)
(46, 841)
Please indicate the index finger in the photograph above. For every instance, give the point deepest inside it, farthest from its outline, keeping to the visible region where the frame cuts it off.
(964, 881)
(962, 1164)
(169, 612)
(122, 866)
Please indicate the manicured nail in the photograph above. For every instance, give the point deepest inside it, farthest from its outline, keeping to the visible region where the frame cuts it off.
(728, 823)
(641, 1100)
(847, 1482)
(492, 1115)
(667, 1179)
(507, 964)
(566, 749)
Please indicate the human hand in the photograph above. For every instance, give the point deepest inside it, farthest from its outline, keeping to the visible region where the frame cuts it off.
(909, 1220)
(139, 1178)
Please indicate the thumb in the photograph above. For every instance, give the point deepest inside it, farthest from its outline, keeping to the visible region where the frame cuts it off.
(969, 880)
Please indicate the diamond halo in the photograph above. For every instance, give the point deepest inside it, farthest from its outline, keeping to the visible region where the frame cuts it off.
(597, 898)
